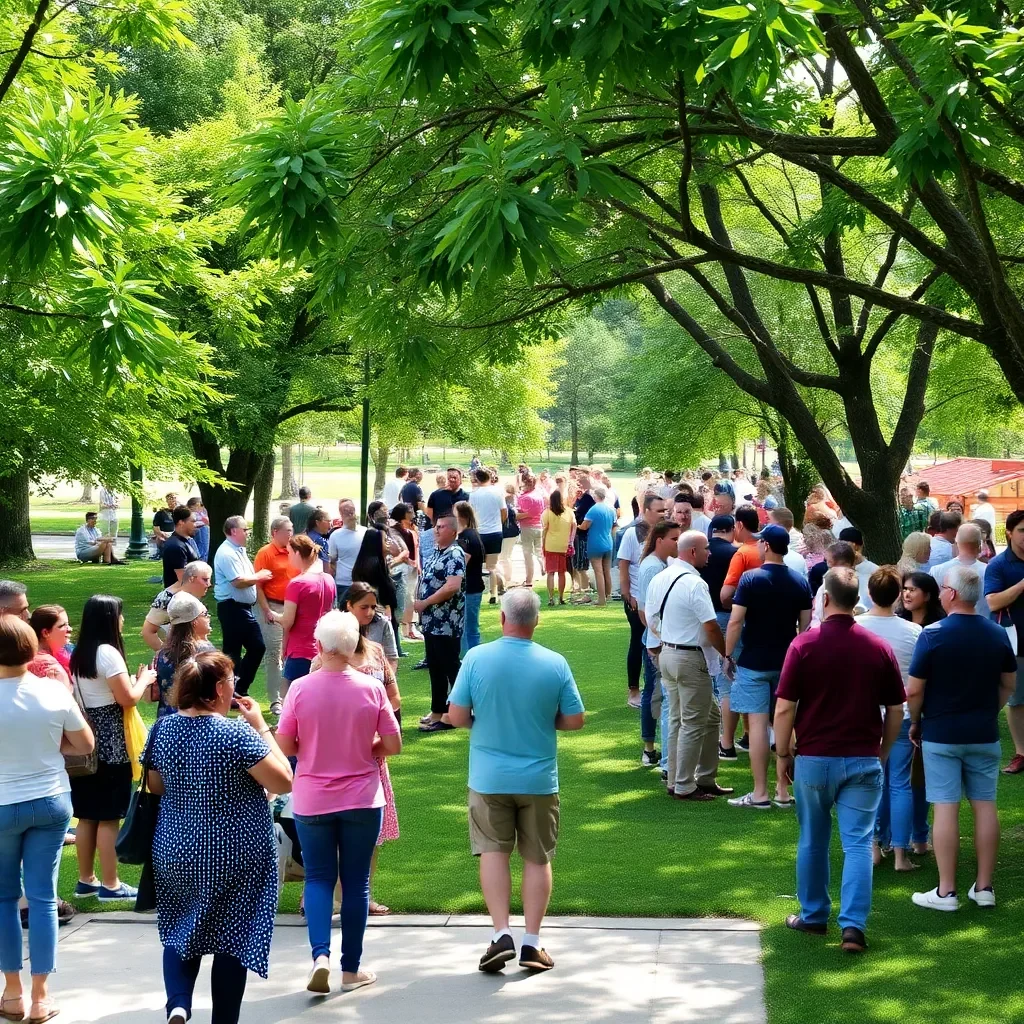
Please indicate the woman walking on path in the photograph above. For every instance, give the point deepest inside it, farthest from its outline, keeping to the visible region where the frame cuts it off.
(38, 721)
(214, 855)
(105, 688)
(337, 722)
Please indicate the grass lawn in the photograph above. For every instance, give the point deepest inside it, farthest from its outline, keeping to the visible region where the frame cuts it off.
(627, 850)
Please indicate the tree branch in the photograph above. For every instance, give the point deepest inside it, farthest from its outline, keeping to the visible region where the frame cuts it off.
(23, 49)
(317, 405)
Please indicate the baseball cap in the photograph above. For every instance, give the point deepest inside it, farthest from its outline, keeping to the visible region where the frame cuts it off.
(184, 608)
(776, 537)
(722, 524)
(770, 503)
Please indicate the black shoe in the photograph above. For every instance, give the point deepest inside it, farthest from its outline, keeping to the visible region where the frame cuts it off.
(420, 664)
(717, 790)
(853, 941)
(798, 924)
(650, 759)
(534, 959)
(498, 954)
(664, 776)
(492, 600)
(65, 911)
(726, 753)
(744, 742)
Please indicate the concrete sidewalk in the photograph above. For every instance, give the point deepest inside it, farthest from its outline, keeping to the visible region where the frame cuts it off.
(626, 971)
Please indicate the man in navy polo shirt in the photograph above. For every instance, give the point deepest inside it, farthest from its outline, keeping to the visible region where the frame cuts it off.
(771, 605)
(1004, 591)
(963, 671)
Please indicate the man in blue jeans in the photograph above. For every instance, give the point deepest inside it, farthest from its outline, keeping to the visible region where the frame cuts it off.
(962, 673)
(833, 681)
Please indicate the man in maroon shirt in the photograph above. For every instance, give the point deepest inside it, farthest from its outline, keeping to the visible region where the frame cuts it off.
(833, 681)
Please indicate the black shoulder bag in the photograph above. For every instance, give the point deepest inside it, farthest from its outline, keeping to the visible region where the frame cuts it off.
(135, 839)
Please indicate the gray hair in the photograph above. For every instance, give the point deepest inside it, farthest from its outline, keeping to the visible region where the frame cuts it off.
(966, 582)
(194, 569)
(9, 590)
(278, 522)
(969, 533)
(521, 608)
(600, 493)
(338, 633)
(234, 523)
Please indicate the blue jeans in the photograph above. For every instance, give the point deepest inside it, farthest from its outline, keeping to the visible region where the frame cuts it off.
(853, 785)
(227, 984)
(648, 726)
(903, 811)
(338, 845)
(31, 840)
(202, 539)
(471, 628)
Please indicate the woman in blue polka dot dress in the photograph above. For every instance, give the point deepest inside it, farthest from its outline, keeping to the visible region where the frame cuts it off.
(214, 857)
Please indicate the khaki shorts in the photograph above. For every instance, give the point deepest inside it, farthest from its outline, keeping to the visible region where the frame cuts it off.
(498, 820)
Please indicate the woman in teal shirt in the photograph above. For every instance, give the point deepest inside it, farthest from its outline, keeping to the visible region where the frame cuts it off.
(599, 522)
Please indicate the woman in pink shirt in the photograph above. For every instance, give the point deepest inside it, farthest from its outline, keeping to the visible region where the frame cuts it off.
(532, 504)
(337, 722)
(307, 598)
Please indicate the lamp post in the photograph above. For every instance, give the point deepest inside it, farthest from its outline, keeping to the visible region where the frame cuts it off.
(138, 546)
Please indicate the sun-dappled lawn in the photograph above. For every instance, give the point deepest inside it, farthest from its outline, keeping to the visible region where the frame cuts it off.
(627, 850)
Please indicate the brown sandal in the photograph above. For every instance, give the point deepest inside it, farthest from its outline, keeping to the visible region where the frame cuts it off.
(8, 1014)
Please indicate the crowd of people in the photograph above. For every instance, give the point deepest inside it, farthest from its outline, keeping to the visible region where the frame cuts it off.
(744, 635)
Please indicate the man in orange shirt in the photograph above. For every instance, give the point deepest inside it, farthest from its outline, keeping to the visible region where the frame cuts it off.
(270, 598)
(749, 554)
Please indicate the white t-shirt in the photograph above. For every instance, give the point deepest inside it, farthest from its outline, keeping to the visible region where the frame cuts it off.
(900, 634)
(939, 572)
(610, 497)
(744, 492)
(487, 502)
(795, 562)
(343, 547)
(34, 713)
(699, 521)
(393, 491)
(631, 550)
(864, 570)
(96, 693)
(987, 511)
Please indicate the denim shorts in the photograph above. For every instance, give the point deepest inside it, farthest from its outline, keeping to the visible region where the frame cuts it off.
(1017, 697)
(952, 770)
(722, 683)
(752, 690)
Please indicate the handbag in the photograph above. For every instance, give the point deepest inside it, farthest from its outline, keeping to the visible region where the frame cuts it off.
(79, 765)
(135, 839)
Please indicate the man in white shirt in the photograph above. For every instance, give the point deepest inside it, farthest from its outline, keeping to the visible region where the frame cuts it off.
(393, 488)
(679, 612)
(234, 588)
(698, 520)
(631, 553)
(488, 503)
(984, 509)
(343, 547)
(742, 487)
(968, 546)
(863, 567)
(667, 488)
(109, 502)
(942, 543)
(784, 517)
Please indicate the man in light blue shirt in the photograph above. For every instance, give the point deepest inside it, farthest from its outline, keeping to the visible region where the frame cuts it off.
(90, 544)
(515, 696)
(234, 588)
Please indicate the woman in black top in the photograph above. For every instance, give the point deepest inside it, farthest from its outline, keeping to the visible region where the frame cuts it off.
(919, 600)
(473, 546)
(580, 558)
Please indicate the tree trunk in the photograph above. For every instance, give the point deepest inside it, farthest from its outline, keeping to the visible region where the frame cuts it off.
(15, 525)
(381, 454)
(86, 497)
(289, 485)
(798, 475)
(262, 489)
(574, 459)
(240, 473)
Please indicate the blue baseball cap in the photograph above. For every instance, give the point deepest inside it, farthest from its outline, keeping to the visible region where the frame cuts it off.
(776, 537)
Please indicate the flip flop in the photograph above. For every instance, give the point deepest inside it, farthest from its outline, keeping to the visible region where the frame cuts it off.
(784, 803)
(437, 726)
(379, 910)
(9, 1014)
(353, 985)
(50, 1014)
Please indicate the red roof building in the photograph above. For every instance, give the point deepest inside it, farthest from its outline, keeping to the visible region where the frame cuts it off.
(1003, 479)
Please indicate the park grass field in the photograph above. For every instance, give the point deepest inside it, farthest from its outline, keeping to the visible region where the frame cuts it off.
(626, 850)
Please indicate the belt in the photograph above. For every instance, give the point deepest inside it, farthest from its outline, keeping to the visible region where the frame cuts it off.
(231, 600)
(680, 647)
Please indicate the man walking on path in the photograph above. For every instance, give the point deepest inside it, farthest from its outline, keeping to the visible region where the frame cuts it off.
(442, 610)
(679, 612)
(962, 673)
(234, 587)
(515, 696)
(771, 605)
(833, 681)
(1004, 592)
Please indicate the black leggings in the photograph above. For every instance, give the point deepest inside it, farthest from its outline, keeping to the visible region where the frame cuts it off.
(227, 984)
(442, 653)
(635, 653)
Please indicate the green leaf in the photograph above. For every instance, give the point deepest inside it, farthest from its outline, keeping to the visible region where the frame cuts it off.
(741, 44)
(510, 211)
(732, 13)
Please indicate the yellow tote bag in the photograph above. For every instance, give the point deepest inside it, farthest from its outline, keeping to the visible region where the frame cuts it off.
(135, 740)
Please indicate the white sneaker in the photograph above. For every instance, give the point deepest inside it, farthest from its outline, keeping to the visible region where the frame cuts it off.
(319, 976)
(984, 897)
(933, 901)
(177, 1014)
